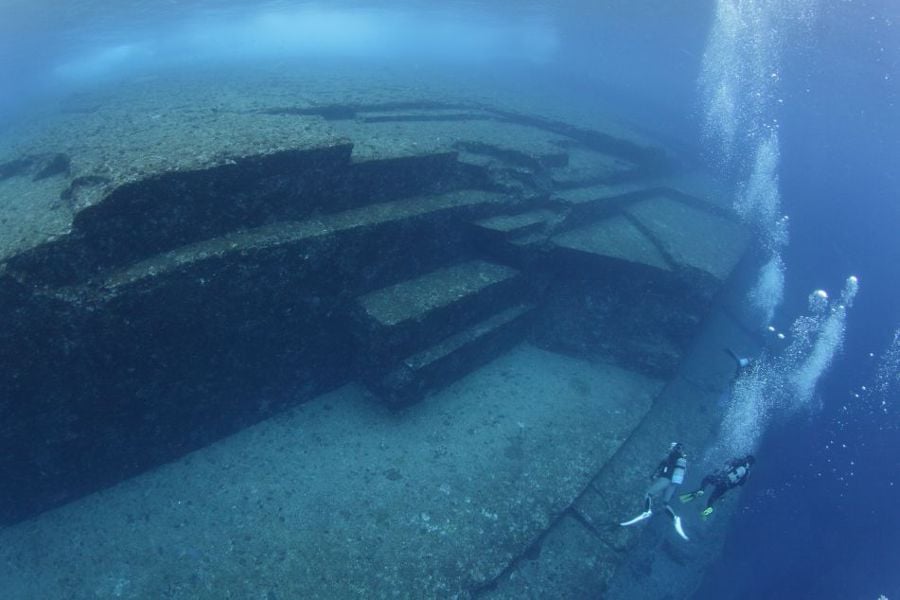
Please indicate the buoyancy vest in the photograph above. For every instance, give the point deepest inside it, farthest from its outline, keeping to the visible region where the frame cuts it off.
(736, 475)
(673, 467)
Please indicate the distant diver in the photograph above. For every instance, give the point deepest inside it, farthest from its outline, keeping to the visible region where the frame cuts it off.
(741, 363)
(735, 473)
(667, 477)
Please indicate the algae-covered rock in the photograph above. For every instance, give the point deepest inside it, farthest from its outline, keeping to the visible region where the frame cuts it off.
(183, 259)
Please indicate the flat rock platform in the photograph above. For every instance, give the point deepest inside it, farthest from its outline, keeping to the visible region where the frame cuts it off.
(342, 498)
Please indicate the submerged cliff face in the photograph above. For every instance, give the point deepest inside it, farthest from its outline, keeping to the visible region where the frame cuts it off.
(173, 272)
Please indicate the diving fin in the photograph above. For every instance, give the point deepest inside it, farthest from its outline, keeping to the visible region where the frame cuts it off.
(641, 517)
(742, 363)
(648, 512)
(707, 512)
(679, 529)
(676, 521)
(690, 497)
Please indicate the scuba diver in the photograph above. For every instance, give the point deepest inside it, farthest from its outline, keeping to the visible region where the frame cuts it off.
(667, 477)
(741, 363)
(735, 473)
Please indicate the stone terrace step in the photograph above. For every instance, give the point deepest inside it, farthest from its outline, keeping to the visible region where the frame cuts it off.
(140, 218)
(587, 167)
(602, 192)
(158, 214)
(690, 237)
(194, 336)
(700, 189)
(518, 239)
(510, 143)
(454, 356)
(534, 158)
(500, 175)
(512, 225)
(529, 240)
(395, 320)
(593, 202)
(372, 179)
(423, 114)
(338, 235)
(616, 238)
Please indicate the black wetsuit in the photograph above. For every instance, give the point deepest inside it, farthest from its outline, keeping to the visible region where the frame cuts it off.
(667, 477)
(668, 465)
(721, 481)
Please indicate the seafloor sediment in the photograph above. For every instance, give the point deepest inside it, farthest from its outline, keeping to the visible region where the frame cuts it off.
(445, 316)
(342, 497)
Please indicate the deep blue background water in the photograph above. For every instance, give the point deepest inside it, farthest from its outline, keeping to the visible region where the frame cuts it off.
(811, 529)
(822, 519)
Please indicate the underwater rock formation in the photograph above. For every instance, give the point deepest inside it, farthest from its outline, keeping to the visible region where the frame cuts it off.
(156, 286)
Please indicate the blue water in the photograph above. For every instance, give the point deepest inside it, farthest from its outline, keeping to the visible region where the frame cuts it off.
(820, 516)
(821, 519)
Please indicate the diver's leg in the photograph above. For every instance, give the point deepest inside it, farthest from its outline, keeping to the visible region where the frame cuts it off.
(739, 361)
(689, 497)
(669, 492)
(657, 487)
(716, 494)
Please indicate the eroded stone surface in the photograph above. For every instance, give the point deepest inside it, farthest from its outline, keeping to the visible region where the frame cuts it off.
(409, 300)
(342, 498)
(586, 552)
(182, 258)
(615, 237)
(692, 237)
(601, 192)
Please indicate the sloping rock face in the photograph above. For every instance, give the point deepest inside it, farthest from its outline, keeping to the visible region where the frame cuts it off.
(170, 271)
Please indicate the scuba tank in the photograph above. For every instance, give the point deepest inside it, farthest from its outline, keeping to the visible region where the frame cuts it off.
(679, 470)
(735, 475)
